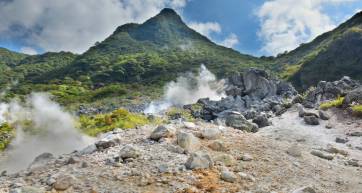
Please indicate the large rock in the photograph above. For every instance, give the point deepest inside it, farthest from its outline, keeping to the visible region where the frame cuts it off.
(41, 160)
(257, 85)
(322, 155)
(109, 140)
(354, 96)
(63, 182)
(188, 141)
(249, 93)
(302, 112)
(129, 151)
(329, 91)
(311, 120)
(210, 133)
(163, 131)
(238, 121)
(199, 160)
(262, 121)
(228, 176)
(217, 146)
(324, 115)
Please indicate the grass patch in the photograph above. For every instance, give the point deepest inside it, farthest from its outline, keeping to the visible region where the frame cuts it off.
(177, 113)
(335, 103)
(357, 110)
(289, 71)
(101, 123)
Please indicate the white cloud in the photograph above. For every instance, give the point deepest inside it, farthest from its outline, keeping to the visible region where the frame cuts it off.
(209, 28)
(230, 41)
(28, 50)
(73, 25)
(206, 28)
(285, 24)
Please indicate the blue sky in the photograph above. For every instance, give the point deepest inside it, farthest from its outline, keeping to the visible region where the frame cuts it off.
(255, 27)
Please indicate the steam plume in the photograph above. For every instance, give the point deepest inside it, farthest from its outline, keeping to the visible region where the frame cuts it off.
(55, 131)
(187, 90)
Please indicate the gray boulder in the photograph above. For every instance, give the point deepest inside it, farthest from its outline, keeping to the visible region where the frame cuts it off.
(324, 115)
(341, 140)
(210, 133)
(41, 160)
(302, 112)
(63, 182)
(108, 141)
(217, 146)
(329, 90)
(322, 155)
(257, 85)
(129, 151)
(262, 121)
(311, 120)
(238, 121)
(228, 176)
(188, 141)
(199, 160)
(163, 131)
(354, 96)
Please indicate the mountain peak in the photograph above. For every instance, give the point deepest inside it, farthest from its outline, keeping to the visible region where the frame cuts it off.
(168, 14)
(167, 11)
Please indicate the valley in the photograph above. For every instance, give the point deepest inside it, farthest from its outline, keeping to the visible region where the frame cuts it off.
(158, 107)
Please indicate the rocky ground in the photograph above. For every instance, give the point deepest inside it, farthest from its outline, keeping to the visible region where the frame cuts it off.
(273, 144)
(288, 156)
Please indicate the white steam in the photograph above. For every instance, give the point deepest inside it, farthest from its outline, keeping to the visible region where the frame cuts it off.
(187, 90)
(55, 131)
(3, 109)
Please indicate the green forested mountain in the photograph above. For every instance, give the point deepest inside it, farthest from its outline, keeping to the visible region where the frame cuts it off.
(329, 57)
(143, 57)
(30, 69)
(153, 52)
(135, 57)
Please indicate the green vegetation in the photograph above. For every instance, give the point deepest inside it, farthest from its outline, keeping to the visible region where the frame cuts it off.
(357, 110)
(176, 113)
(137, 59)
(289, 71)
(329, 57)
(335, 103)
(6, 134)
(93, 125)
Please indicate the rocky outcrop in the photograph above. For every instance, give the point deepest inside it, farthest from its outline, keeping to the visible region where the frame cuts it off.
(329, 90)
(249, 94)
(354, 96)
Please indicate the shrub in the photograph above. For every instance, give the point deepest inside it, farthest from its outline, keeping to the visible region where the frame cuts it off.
(334, 103)
(113, 90)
